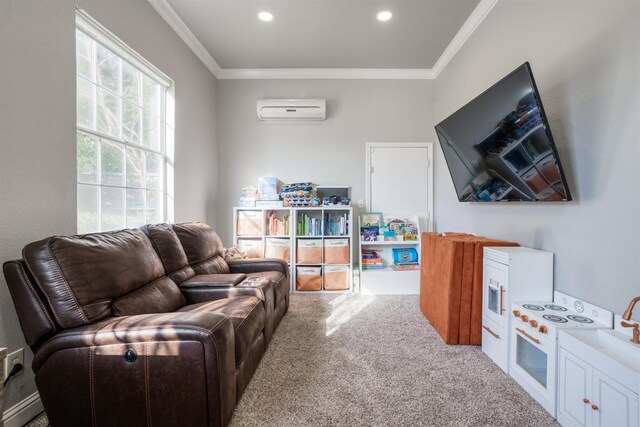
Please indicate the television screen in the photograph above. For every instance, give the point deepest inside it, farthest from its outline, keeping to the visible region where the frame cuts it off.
(499, 146)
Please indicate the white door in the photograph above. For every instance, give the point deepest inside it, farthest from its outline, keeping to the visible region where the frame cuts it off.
(614, 404)
(400, 180)
(574, 387)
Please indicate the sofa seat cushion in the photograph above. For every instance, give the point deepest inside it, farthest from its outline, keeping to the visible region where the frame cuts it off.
(213, 281)
(277, 279)
(246, 314)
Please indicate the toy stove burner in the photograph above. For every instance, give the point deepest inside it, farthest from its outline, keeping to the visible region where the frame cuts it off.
(554, 318)
(533, 307)
(579, 319)
(555, 307)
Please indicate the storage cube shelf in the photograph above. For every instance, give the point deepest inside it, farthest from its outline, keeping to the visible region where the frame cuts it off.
(325, 235)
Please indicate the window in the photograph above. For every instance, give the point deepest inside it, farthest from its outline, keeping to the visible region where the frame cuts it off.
(124, 124)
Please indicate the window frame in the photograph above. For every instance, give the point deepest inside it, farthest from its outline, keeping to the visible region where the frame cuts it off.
(94, 30)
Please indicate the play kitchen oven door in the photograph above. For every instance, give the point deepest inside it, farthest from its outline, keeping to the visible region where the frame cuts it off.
(495, 292)
(533, 362)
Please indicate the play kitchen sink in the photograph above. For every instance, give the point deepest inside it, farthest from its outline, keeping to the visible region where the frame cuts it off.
(599, 377)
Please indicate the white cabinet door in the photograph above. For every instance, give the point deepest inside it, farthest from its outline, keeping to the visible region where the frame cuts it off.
(616, 405)
(494, 292)
(574, 389)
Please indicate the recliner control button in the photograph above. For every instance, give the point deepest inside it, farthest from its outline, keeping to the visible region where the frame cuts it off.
(130, 355)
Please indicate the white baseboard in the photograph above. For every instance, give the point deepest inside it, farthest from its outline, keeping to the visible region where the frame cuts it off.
(23, 411)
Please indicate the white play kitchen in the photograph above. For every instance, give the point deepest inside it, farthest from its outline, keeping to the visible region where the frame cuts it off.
(579, 361)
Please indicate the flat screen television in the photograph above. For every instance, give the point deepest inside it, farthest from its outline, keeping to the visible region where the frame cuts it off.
(499, 146)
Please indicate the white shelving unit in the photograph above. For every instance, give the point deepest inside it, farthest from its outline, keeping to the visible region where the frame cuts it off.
(387, 280)
(319, 213)
(261, 216)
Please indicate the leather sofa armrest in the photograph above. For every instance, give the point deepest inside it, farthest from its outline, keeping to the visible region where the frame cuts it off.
(198, 344)
(256, 265)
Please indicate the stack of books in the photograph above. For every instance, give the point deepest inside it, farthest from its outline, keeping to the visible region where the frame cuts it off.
(278, 227)
(371, 260)
(404, 266)
(336, 225)
(308, 226)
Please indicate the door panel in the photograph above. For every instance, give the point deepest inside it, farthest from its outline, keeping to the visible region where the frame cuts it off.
(494, 292)
(574, 386)
(399, 180)
(617, 405)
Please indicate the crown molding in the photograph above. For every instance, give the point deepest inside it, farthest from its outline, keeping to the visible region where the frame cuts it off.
(178, 25)
(473, 21)
(182, 30)
(326, 73)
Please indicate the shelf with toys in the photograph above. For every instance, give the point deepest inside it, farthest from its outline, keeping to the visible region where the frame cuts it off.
(389, 252)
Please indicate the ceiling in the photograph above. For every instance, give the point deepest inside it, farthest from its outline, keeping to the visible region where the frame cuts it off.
(328, 39)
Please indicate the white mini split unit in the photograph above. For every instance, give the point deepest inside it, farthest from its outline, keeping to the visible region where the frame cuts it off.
(292, 109)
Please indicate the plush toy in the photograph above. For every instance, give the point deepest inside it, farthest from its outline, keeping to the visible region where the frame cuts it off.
(234, 252)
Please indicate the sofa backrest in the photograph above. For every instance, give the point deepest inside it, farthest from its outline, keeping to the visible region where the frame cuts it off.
(90, 277)
(203, 248)
(167, 244)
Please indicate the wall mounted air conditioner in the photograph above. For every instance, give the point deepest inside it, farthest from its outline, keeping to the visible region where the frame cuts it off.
(292, 109)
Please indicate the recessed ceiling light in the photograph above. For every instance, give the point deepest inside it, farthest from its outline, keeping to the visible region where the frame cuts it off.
(385, 15)
(265, 16)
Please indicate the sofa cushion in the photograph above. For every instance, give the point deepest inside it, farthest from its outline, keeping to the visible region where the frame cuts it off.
(246, 314)
(81, 276)
(161, 296)
(167, 244)
(277, 279)
(202, 246)
(213, 280)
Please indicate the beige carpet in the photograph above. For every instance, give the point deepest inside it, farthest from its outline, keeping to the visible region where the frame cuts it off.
(350, 360)
(345, 360)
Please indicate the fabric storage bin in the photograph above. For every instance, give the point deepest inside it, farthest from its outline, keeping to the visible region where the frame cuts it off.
(252, 247)
(278, 248)
(336, 277)
(308, 278)
(336, 251)
(309, 251)
(249, 223)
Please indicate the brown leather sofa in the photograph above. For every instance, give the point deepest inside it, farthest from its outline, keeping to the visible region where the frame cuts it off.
(141, 327)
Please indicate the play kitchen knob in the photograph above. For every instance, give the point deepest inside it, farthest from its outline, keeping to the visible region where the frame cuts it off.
(516, 313)
(543, 329)
(533, 323)
(585, 400)
(524, 318)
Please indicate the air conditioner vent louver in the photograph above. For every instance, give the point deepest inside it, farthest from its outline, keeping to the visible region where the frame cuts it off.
(291, 109)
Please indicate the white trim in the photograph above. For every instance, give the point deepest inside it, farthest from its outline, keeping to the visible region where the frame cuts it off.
(23, 411)
(326, 73)
(429, 147)
(99, 33)
(182, 30)
(473, 21)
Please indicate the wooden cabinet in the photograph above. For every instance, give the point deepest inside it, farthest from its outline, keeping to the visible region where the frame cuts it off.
(589, 398)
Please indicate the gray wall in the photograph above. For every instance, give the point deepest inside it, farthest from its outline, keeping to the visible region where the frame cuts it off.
(585, 57)
(330, 152)
(37, 128)
(37, 144)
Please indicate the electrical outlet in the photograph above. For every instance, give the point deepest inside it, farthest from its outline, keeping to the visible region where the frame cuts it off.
(360, 203)
(13, 359)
